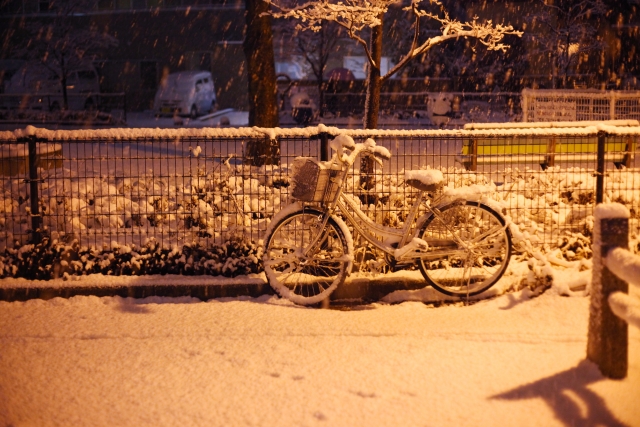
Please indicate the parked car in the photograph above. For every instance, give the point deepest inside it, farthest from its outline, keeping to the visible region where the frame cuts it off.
(35, 87)
(185, 93)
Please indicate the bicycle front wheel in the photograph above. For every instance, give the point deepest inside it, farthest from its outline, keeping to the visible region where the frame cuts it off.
(469, 249)
(303, 272)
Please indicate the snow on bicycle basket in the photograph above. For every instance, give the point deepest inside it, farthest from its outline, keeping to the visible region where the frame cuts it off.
(312, 181)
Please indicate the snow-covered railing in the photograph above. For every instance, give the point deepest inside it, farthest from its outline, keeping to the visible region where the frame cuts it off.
(612, 308)
(551, 146)
(619, 128)
(626, 266)
(541, 105)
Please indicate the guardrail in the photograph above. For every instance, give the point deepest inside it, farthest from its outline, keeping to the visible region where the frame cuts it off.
(548, 149)
(612, 308)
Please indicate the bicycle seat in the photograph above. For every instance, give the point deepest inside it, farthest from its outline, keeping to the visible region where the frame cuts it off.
(424, 180)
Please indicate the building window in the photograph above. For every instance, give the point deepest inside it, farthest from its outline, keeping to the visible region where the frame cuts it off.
(148, 75)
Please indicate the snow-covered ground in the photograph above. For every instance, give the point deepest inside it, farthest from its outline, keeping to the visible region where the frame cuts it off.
(226, 117)
(514, 360)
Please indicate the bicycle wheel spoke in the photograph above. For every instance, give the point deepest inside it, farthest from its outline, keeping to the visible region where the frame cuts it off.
(488, 234)
(483, 252)
(304, 272)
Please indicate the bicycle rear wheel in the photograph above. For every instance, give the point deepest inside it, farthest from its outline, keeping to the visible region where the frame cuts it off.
(476, 263)
(307, 278)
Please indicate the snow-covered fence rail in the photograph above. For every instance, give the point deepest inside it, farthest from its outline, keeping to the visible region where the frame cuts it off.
(550, 149)
(614, 269)
(626, 266)
(195, 187)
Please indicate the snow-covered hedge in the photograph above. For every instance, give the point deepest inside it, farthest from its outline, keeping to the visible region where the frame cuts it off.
(52, 259)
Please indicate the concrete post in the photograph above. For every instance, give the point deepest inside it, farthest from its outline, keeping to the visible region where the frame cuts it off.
(607, 344)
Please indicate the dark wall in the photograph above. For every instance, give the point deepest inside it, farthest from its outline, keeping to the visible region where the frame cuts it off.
(155, 42)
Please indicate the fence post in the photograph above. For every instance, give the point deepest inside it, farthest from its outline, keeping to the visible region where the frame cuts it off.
(607, 344)
(600, 167)
(630, 151)
(550, 159)
(36, 219)
(474, 155)
(324, 146)
(612, 106)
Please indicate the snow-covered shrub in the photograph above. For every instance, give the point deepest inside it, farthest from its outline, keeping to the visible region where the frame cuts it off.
(53, 259)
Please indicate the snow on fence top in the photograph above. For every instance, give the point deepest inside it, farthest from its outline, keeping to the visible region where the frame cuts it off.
(542, 125)
(134, 133)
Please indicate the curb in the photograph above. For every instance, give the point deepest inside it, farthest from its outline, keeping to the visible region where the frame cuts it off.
(359, 289)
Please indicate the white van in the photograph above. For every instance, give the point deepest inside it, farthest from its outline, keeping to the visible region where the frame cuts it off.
(185, 93)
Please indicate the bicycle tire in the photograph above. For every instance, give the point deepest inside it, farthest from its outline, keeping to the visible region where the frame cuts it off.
(489, 248)
(311, 279)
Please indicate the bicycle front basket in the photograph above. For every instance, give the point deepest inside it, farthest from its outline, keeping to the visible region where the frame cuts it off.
(311, 180)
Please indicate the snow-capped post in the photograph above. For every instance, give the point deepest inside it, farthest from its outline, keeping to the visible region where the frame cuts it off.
(600, 170)
(607, 344)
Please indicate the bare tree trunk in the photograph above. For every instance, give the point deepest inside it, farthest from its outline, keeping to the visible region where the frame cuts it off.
(374, 82)
(372, 103)
(258, 50)
(263, 102)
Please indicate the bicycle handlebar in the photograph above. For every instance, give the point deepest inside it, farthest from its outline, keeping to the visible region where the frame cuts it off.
(342, 142)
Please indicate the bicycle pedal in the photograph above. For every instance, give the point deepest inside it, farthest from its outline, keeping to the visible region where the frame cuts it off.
(395, 267)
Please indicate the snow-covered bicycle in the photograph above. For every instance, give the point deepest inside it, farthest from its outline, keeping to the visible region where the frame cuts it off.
(462, 247)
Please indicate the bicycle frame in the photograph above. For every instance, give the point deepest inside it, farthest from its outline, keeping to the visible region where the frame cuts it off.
(395, 238)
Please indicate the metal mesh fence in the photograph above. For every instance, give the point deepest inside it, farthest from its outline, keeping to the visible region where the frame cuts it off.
(196, 190)
(571, 105)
